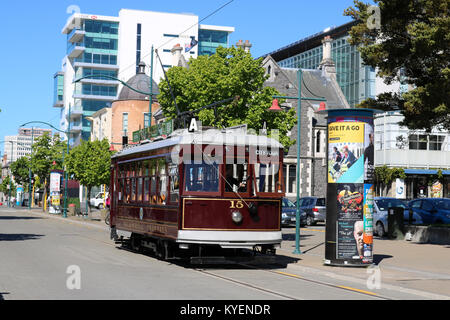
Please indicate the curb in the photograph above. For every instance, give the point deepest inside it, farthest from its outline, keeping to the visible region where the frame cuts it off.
(425, 234)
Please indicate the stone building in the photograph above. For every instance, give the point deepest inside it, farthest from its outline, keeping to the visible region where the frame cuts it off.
(320, 82)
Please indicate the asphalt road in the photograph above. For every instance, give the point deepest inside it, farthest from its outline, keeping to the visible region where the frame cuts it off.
(50, 258)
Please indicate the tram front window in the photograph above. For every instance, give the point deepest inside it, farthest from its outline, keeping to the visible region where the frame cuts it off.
(235, 179)
(268, 178)
(202, 177)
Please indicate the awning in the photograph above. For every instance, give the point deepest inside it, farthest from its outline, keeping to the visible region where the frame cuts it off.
(425, 171)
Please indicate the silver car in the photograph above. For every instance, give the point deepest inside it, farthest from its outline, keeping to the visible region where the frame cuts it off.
(381, 206)
(315, 208)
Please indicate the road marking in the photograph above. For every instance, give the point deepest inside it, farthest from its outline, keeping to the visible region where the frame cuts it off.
(289, 274)
(358, 290)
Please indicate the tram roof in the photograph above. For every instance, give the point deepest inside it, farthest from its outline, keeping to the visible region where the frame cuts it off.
(229, 137)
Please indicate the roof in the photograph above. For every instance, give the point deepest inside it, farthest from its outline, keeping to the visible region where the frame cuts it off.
(310, 42)
(209, 137)
(140, 82)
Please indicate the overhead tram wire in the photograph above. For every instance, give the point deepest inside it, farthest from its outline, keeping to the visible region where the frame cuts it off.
(209, 15)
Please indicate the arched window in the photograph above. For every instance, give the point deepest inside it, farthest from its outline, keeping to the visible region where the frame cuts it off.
(318, 141)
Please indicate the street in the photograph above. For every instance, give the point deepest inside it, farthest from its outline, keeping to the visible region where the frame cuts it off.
(42, 256)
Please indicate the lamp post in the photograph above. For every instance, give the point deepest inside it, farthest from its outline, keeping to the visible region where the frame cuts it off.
(275, 107)
(29, 171)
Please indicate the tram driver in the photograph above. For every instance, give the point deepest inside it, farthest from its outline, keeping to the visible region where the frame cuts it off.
(231, 181)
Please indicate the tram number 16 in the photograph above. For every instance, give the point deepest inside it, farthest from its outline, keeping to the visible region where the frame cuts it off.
(236, 204)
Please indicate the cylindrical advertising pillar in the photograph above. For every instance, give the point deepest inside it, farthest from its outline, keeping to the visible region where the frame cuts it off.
(350, 188)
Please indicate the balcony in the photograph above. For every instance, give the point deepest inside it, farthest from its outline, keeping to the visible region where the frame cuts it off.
(76, 35)
(104, 81)
(96, 65)
(413, 158)
(75, 112)
(94, 97)
(75, 50)
(76, 127)
(58, 104)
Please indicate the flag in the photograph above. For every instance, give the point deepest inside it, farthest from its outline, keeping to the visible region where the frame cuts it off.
(189, 46)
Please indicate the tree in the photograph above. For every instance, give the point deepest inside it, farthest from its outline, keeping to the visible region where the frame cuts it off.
(47, 154)
(90, 163)
(226, 74)
(4, 187)
(20, 169)
(410, 46)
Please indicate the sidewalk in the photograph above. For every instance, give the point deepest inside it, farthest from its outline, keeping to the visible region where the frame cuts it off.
(96, 218)
(412, 266)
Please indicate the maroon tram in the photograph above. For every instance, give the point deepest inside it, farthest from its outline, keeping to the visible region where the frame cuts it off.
(210, 196)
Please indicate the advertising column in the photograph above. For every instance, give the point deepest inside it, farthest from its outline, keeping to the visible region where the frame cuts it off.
(350, 189)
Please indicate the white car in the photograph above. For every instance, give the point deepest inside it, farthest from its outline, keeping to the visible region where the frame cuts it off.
(99, 200)
(380, 214)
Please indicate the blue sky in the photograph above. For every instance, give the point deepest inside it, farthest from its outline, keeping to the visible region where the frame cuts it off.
(33, 47)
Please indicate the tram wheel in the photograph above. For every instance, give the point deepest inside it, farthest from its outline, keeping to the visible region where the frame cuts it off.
(135, 242)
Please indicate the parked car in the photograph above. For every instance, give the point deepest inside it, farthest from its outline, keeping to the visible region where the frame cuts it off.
(99, 200)
(315, 208)
(289, 213)
(432, 210)
(381, 206)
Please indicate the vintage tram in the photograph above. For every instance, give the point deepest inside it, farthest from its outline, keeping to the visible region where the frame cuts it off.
(210, 196)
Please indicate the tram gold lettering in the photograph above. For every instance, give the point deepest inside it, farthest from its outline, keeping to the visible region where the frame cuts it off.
(236, 204)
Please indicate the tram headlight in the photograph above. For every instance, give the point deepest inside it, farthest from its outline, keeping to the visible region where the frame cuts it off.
(236, 216)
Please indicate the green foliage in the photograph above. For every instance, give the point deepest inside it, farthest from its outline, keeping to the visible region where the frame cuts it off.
(20, 169)
(387, 175)
(4, 186)
(226, 74)
(411, 46)
(89, 163)
(46, 151)
(75, 201)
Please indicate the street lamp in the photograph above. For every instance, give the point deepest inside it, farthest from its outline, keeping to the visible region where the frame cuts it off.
(275, 107)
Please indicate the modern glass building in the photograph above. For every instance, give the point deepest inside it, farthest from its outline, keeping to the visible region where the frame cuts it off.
(356, 80)
(105, 48)
(209, 39)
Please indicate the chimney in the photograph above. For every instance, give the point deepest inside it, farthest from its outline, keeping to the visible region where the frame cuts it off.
(247, 46)
(240, 44)
(176, 54)
(327, 64)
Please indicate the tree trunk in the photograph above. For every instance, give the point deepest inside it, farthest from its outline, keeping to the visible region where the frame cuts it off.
(88, 200)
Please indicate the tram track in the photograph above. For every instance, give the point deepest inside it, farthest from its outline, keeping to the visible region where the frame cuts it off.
(262, 269)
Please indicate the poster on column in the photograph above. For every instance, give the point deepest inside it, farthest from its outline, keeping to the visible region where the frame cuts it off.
(350, 223)
(346, 149)
(368, 224)
(368, 155)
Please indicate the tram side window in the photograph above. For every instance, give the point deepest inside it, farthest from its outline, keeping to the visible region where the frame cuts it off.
(153, 190)
(174, 183)
(202, 177)
(268, 178)
(146, 180)
(236, 177)
(162, 181)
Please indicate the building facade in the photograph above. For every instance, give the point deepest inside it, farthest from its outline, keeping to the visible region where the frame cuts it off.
(19, 145)
(357, 81)
(319, 82)
(106, 48)
(127, 114)
(418, 153)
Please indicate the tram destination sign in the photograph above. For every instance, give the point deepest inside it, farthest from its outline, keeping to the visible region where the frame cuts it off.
(158, 130)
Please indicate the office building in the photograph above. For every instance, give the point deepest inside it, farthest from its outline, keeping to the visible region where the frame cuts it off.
(108, 47)
(19, 145)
